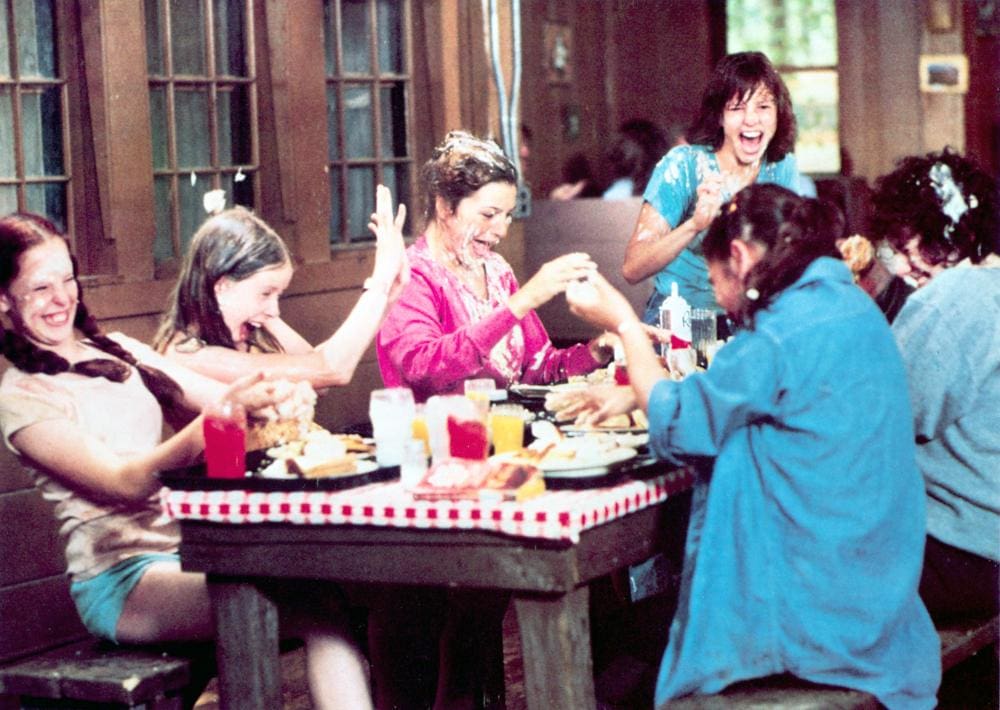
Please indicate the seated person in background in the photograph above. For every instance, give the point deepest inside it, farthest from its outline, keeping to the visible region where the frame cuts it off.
(744, 134)
(939, 211)
(463, 314)
(873, 276)
(636, 148)
(807, 521)
(223, 319)
(100, 471)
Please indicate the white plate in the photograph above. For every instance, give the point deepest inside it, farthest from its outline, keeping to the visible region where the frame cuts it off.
(596, 465)
(540, 391)
(361, 466)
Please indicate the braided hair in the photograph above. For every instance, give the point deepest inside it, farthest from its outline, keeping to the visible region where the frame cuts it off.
(19, 232)
(794, 230)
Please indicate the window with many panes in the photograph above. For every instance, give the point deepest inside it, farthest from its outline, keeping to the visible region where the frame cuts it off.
(34, 174)
(800, 38)
(368, 84)
(202, 110)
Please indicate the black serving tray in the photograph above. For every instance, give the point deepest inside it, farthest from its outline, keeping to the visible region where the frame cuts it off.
(641, 467)
(193, 478)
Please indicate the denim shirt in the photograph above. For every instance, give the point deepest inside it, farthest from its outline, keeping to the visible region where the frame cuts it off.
(805, 542)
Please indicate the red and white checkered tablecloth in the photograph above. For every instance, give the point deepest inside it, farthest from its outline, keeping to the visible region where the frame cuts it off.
(555, 515)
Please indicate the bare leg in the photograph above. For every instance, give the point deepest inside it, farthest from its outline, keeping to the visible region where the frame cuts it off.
(170, 605)
(167, 605)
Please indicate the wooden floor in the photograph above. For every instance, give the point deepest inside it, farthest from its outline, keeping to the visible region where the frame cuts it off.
(295, 689)
(972, 684)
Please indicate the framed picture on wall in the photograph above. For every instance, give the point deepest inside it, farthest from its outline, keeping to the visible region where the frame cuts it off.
(558, 53)
(944, 73)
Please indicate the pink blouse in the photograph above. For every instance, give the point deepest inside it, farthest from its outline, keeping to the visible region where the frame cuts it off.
(440, 333)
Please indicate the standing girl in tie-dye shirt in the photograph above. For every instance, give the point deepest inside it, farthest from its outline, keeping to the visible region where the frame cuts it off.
(744, 133)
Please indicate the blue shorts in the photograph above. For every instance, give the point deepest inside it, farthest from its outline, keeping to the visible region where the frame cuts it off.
(100, 600)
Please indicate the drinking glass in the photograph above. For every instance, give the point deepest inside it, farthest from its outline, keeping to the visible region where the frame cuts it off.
(507, 426)
(391, 411)
(457, 427)
(480, 391)
(225, 429)
(703, 332)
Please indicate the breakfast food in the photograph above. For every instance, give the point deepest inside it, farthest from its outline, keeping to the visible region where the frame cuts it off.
(316, 455)
(464, 479)
(289, 421)
(858, 254)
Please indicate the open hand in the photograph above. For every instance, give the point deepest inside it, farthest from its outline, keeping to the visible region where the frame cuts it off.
(392, 269)
(550, 280)
(608, 310)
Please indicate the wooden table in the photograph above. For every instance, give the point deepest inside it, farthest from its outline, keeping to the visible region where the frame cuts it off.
(547, 579)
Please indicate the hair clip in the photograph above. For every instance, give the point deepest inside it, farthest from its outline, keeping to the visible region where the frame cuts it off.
(752, 294)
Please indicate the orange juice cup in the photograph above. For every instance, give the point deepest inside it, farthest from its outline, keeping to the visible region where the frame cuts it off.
(419, 429)
(507, 423)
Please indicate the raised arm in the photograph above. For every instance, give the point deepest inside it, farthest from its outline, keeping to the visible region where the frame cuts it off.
(333, 361)
(654, 243)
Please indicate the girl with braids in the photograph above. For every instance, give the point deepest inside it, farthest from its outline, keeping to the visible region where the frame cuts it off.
(224, 321)
(939, 212)
(100, 471)
(805, 540)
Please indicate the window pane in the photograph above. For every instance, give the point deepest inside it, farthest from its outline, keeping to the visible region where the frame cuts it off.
(154, 38)
(360, 203)
(397, 178)
(332, 123)
(41, 128)
(187, 36)
(335, 215)
(393, 109)
(191, 105)
(35, 38)
(7, 166)
(390, 34)
(230, 57)
(358, 135)
(815, 97)
(163, 247)
(355, 35)
(158, 126)
(329, 38)
(791, 32)
(233, 125)
(4, 42)
(192, 206)
(49, 199)
(8, 199)
(238, 192)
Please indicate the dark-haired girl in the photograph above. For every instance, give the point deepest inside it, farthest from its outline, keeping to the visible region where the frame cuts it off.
(65, 378)
(805, 541)
(743, 134)
(940, 213)
(463, 314)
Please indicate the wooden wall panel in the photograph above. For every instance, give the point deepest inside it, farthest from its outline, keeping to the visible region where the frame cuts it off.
(37, 616)
(12, 474)
(29, 546)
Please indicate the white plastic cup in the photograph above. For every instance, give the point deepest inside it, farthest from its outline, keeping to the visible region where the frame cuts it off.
(391, 412)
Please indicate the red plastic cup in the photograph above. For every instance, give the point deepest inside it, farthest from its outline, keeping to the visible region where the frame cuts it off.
(621, 374)
(225, 428)
(469, 439)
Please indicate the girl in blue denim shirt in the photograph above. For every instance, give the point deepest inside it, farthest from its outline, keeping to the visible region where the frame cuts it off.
(806, 535)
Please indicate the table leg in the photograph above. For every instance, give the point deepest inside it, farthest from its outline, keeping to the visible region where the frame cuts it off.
(555, 642)
(246, 624)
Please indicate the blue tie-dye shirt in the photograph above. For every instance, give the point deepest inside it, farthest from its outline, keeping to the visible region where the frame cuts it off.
(672, 191)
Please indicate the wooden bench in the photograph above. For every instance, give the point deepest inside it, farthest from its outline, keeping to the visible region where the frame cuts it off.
(93, 674)
(960, 640)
